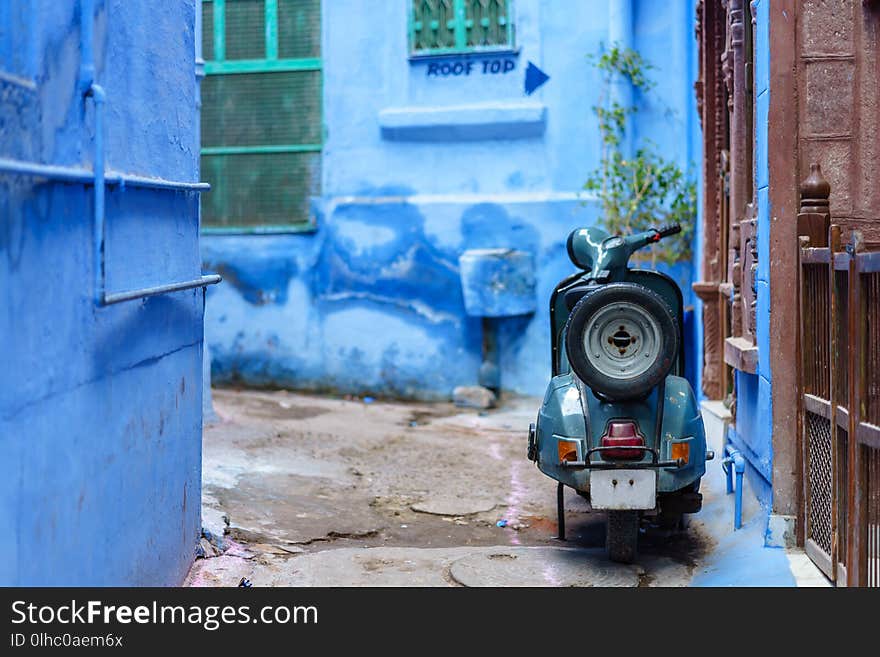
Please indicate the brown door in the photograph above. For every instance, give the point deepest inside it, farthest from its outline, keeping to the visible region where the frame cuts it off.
(817, 419)
(863, 515)
(839, 337)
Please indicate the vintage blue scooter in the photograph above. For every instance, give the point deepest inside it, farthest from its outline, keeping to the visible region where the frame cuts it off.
(619, 424)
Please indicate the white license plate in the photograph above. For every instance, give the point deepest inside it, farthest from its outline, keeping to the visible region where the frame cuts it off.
(623, 489)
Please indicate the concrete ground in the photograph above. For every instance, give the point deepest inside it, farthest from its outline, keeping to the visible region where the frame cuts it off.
(316, 491)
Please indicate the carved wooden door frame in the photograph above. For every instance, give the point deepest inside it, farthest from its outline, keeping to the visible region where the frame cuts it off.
(725, 93)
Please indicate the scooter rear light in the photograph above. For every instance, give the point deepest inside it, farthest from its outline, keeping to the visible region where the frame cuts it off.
(567, 450)
(622, 434)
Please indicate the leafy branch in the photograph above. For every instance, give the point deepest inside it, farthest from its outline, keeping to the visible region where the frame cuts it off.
(644, 189)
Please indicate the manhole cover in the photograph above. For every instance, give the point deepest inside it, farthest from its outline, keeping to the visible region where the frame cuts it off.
(542, 566)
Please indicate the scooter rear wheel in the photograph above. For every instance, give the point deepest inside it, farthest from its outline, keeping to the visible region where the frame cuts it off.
(621, 340)
(622, 536)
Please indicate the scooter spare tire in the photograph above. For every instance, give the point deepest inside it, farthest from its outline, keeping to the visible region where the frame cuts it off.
(621, 340)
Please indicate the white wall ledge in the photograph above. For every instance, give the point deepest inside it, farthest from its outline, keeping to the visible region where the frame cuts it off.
(484, 121)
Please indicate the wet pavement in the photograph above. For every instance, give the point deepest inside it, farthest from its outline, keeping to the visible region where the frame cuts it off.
(303, 490)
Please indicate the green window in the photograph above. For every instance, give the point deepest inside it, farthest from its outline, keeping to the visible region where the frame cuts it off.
(261, 114)
(439, 27)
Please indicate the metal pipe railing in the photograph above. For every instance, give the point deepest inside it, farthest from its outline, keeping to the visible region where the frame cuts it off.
(119, 297)
(87, 176)
(100, 177)
(48, 171)
(127, 180)
(83, 176)
(96, 93)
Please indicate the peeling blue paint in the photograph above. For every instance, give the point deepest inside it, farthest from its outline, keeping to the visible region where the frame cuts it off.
(374, 302)
(498, 282)
(408, 267)
(261, 277)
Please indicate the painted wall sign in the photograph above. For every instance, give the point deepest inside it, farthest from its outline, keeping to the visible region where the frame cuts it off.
(535, 77)
(466, 67)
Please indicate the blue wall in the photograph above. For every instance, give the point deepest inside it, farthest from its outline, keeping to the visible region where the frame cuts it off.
(100, 407)
(754, 420)
(416, 169)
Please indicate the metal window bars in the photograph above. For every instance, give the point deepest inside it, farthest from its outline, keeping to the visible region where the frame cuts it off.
(262, 133)
(448, 27)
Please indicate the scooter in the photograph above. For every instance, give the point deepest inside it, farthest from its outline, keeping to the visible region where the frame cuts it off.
(619, 423)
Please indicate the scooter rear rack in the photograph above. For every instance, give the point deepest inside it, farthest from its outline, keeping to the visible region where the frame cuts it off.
(624, 465)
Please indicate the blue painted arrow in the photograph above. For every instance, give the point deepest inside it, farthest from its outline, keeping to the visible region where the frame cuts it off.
(535, 77)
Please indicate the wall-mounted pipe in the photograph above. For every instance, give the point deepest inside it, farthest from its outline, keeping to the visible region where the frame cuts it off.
(87, 176)
(125, 180)
(682, 50)
(100, 177)
(82, 176)
(200, 60)
(620, 23)
(93, 90)
(734, 458)
(48, 171)
(620, 34)
(86, 39)
(96, 93)
(142, 293)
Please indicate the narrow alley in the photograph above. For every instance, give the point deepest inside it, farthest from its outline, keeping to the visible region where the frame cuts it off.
(302, 293)
(314, 491)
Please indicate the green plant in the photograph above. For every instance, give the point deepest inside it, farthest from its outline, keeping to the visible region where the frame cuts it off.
(643, 189)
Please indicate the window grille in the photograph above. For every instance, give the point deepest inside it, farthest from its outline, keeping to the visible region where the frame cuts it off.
(439, 27)
(261, 114)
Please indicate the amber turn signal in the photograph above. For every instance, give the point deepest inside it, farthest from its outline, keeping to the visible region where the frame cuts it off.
(567, 450)
(681, 451)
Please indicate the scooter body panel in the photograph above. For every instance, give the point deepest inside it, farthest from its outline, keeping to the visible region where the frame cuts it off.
(572, 412)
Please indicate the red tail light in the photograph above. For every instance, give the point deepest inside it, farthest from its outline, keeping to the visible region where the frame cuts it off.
(622, 434)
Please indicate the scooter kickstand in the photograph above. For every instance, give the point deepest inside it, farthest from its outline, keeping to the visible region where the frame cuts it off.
(560, 512)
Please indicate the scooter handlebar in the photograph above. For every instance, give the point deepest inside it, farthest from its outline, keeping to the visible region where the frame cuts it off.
(651, 235)
(667, 230)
